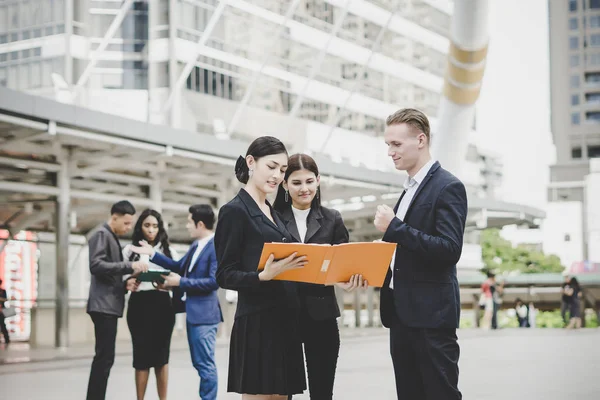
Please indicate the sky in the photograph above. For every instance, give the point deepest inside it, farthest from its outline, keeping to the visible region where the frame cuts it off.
(513, 111)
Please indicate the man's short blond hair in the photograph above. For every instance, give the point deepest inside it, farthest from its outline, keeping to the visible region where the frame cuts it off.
(414, 118)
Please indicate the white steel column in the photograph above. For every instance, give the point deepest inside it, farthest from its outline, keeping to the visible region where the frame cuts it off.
(61, 331)
(466, 63)
(68, 74)
(172, 57)
(156, 193)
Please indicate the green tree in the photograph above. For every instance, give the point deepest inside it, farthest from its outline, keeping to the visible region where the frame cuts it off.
(500, 256)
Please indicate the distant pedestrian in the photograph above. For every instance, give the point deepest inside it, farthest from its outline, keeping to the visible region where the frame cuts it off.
(3, 298)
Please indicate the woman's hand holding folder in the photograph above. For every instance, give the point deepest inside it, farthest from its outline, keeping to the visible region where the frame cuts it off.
(356, 281)
(274, 268)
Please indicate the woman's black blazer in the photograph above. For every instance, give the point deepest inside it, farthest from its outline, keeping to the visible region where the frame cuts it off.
(242, 230)
(324, 225)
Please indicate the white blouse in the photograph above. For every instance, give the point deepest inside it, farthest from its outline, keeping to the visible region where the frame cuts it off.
(301, 216)
(144, 258)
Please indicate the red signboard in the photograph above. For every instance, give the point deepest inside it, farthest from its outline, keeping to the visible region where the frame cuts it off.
(18, 270)
(584, 267)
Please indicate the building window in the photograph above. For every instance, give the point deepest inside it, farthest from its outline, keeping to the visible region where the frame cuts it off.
(567, 237)
(592, 97)
(572, 5)
(595, 40)
(594, 3)
(593, 116)
(593, 151)
(575, 119)
(574, 60)
(592, 77)
(210, 82)
(593, 59)
(573, 25)
(595, 21)
(576, 152)
(575, 100)
(574, 81)
(573, 43)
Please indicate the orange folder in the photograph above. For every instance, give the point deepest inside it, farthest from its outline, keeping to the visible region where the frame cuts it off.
(329, 264)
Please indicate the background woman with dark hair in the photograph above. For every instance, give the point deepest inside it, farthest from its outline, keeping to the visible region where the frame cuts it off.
(574, 293)
(265, 353)
(299, 203)
(150, 316)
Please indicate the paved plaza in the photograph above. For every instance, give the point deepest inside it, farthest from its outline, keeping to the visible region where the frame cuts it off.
(528, 364)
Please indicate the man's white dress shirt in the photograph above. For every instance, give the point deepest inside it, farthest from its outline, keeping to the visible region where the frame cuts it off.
(410, 188)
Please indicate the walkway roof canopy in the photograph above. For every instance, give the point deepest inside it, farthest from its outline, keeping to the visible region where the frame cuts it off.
(110, 158)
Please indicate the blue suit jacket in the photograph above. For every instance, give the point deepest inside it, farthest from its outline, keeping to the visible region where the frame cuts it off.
(430, 241)
(200, 284)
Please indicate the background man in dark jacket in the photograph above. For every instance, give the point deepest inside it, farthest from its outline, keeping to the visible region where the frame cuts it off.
(107, 291)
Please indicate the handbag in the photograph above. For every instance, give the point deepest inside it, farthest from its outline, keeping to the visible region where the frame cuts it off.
(9, 312)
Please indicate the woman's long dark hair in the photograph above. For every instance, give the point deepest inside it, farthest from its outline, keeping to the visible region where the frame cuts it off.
(575, 284)
(161, 237)
(297, 162)
(261, 147)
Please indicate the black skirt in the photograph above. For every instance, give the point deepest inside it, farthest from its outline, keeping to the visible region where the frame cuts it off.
(265, 354)
(151, 319)
(575, 308)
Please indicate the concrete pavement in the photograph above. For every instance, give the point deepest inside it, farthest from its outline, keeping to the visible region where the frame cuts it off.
(527, 364)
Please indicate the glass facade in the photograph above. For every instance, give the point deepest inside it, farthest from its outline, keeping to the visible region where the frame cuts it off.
(254, 36)
(130, 40)
(25, 21)
(29, 19)
(342, 90)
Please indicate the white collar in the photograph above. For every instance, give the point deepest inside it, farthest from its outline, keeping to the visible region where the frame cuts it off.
(300, 212)
(206, 239)
(419, 176)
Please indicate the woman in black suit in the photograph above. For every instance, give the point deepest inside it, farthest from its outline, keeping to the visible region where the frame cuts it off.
(265, 353)
(299, 203)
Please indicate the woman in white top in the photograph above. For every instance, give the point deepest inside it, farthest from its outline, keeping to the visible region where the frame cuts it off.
(299, 204)
(150, 315)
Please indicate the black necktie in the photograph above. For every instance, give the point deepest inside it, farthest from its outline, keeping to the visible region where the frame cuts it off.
(188, 261)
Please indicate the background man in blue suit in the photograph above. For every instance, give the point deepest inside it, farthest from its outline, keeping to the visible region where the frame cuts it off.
(420, 300)
(195, 292)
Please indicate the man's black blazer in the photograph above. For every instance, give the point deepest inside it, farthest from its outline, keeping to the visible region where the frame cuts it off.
(323, 226)
(430, 240)
(241, 232)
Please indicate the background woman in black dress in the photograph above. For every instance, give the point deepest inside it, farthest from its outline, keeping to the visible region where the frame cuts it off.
(574, 293)
(150, 316)
(299, 204)
(265, 354)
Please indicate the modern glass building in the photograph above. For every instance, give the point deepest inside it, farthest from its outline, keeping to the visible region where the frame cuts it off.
(322, 75)
(575, 105)
(314, 68)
